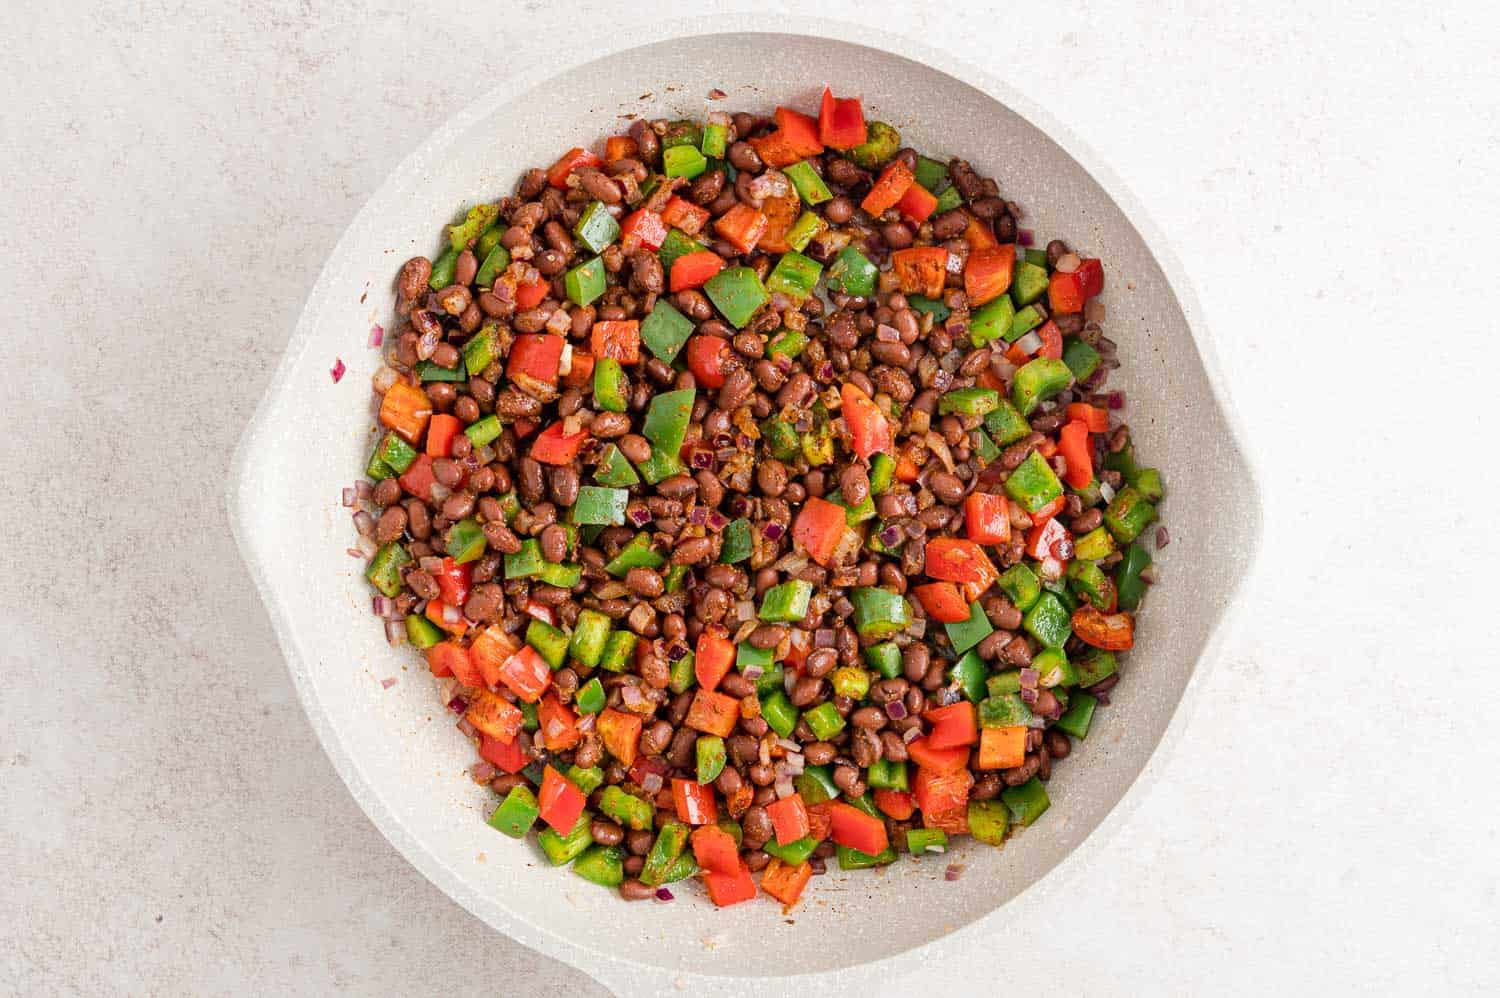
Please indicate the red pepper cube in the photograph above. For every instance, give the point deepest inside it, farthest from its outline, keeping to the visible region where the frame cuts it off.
(694, 802)
(621, 734)
(490, 650)
(869, 429)
(918, 204)
(705, 358)
(987, 518)
(441, 429)
(1073, 444)
(953, 726)
(454, 581)
(683, 214)
(944, 799)
(715, 850)
(535, 356)
(558, 173)
(898, 804)
(560, 802)
(619, 339)
(526, 674)
(508, 757)
(418, 478)
(494, 716)
(943, 602)
(555, 446)
(785, 882)
(531, 295)
(1039, 539)
(789, 818)
(448, 658)
(888, 188)
(949, 760)
(642, 228)
(952, 559)
(725, 889)
(713, 713)
(713, 657)
(557, 724)
(855, 829)
(1090, 277)
(1064, 294)
(841, 121)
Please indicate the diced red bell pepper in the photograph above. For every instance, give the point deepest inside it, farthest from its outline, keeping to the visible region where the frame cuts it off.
(953, 559)
(1090, 277)
(524, 427)
(921, 270)
(987, 274)
(705, 358)
(648, 765)
(789, 818)
(417, 479)
(448, 658)
(580, 370)
(888, 189)
(1073, 445)
(621, 734)
(553, 446)
(785, 882)
(642, 228)
(714, 849)
(1110, 631)
(537, 356)
(1052, 343)
(1016, 356)
(820, 824)
(617, 338)
(952, 726)
(692, 270)
(869, 430)
(618, 147)
(713, 657)
(907, 470)
(948, 760)
(454, 581)
(796, 137)
(694, 802)
(526, 674)
(917, 204)
(987, 518)
(742, 226)
(855, 829)
(491, 649)
(437, 613)
(980, 236)
(841, 121)
(1095, 418)
(440, 433)
(1002, 748)
(683, 214)
(1048, 511)
(1040, 538)
(820, 528)
(1064, 294)
(532, 294)
(713, 713)
(944, 799)
(541, 611)
(557, 724)
(799, 644)
(725, 889)
(493, 715)
(560, 801)
(898, 804)
(557, 174)
(404, 410)
(508, 757)
(943, 602)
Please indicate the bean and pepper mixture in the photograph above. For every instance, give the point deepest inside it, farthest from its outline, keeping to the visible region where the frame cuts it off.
(754, 491)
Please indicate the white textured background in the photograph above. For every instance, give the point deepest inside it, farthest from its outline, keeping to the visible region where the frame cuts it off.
(171, 178)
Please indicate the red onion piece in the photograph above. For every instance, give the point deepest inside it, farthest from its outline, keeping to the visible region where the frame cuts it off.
(1025, 237)
(630, 696)
(675, 651)
(911, 734)
(1030, 677)
(383, 379)
(825, 637)
(699, 515)
(895, 710)
(1029, 695)
(887, 334)
(363, 490)
(347, 497)
(364, 523)
(662, 894)
(382, 606)
(337, 370)
(395, 636)
(1030, 343)
(640, 516)
(717, 521)
(1117, 400)
(1107, 492)
(784, 789)
(586, 723)
(753, 672)
(818, 866)
(354, 552)
(651, 782)
(430, 563)
(389, 681)
(459, 705)
(377, 335)
(482, 772)
(788, 744)
(1162, 538)
(954, 871)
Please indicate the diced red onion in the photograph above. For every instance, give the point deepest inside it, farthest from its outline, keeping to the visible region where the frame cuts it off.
(675, 651)
(364, 523)
(784, 789)
(640, 516)
(1025, 237)
(825, 371)
(949, 696)
(825, 637)
(1062, 548)
(1148, 575)
(699, 515)
(430, 563)
(764, 751)
(363, 489)
(753, 672)
(337, 370)
(348, 497)
(354, 552)
(942, 380)
(744, 610)
(651, 782)
(384, 379)
(558, 324)
(818, 866)
(889, 536)
(917, 628)
(662, 894)
(936, 847)
(1068, 263)
(772, 531)
(895, 710)
(911, 734)
(954, 871)
(788, 680)
(377, 335)
(631, 696)
(717, 521)
(1162, 538)
(1117, 400)
(459, 705)
(395, 635)
(440, 491)
(788, 744)
(792, 562)
(1030, 343)
(1051, 570)
(1030, 677)
(586, 723)
(482, 772)
(702, 459)
(390, 681)
(468, 729)
(451, 614)
(485, 454)
(1106, 492)
(1028, 694)
(382, 606)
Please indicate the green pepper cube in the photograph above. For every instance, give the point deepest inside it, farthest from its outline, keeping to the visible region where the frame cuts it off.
(664, 331)
(786, 602)
(495, 260)
(989, 820)
(737, 542)
(948, 200)
(627, 809)
(1006, 424)
(1004, 711)
(1096, 544)
(852, 273)
(1028, 283)
(932, 174)
(682, 132)
(1053, 668)
(925, 840)
(588, 780)
(559, 574)
(804, 229)
(967, 633)
(810, 186)
(1082, 359)
(1026, 802)
(667, 419)
(384, 571)
(1002, 683)
(489, 239)
(781, 439)
(1079, 715)
(681, 676)
(614, 468)
(1021, 586)
(793, 853)
(815, 784)
(526, 562)
(676, 244)
(377, 470)
(466, 541)
(516, 814)
(970, 672)
(602, 865)
(619, 651)
(880, 144)
(1088, 581)
(479, 218)
(421, 632)
(853, 859)
(991, 322)
(1147, 482)
(788, 343)
(1129, 586)
(586, 282)
(611, 386)
(711, 756)
(550, 642)
(443, 268)
(1033, 485)
(737, 293)
(929, 306)
(485, 431)
(969, 402)
(395, 453)
(715, 140)
(879, 613)
(747, 656)
(1048, 621)
(636, 554)
(1024, 322)
(590, 697)
(563, 849)
(596, 227)
(850, 681)
(530, 722)
(665, 851)
(428, 370)
(824, 720)
(1096, 666)
(882, 472)
(683, 161)
(685, 868)
(885, 658)
(779, 713)
(600, 505)
(984, 447)
(482, 350)
(887, 774)
(1128, 514)
(676, 578)
(795, 276)
(1038, 381)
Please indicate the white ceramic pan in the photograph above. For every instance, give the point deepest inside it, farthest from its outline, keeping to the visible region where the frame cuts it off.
(399, 752)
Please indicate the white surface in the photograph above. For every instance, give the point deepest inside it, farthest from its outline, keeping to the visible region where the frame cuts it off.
(1328, 817)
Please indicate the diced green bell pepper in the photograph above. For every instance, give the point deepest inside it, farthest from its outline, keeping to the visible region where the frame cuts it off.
(850, 681)
(1024, 322)
(681, 675)
(667, 419)
(685, 868)
(1028, 283)
(465, 541)
(815, 784)
(885, 658)
(1096, 544)
(682, 132)
(676, 244)
(1147, 481)
(1006, 424)
(627, 809)
(793, 853)
(611, 386)
(853, 859)
(1096, 666)
(795, 276)
(530, 722)
(421, 632)
(563, 849)
(711, 757)
(1088, 581)
(737, 293)
(482, 350)
(747, 656)
(1048, 621)
(596, 228)
(804, 229)
(948, 200)
(929, 306)
(600, 505)
(970, 672)
(1003, 711)
(810, 186)
(984, 447)
(1128, 514)
(489, 239)
(1038, 381)
(882, 473)
(384, 571)
(486, 431)
(429, 370)
(788, 343)
(991, 322)
(1082, 359)
(1079, 715)
(931, 174)
(737, 542)
(1026, 802)
(969, 402)
(781, 439)
(614, 468)
(779, 713)
(602, 865)
(395, 453)
(442, 269)
(1002, 683)
(619, 651)
(590, 697)
(664, 331)
(1036, 257)
(516, 814)
(1054, 668)
(887, 774)
(526, 562)
(668, 847)
(586, 282)
(852, 273)
(989, 820)
(715, 140)
(588, 780)
(880, 144)
(478, 218)
(1129, 586)
(636, 554)
(824, 720)
(560, 574)
(683, 161)
(967, 633)
(786, 602)
(1033, 484)
(924, 840)
(550, 642)
(494, 262)
(879, 612)
(1021, 585)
